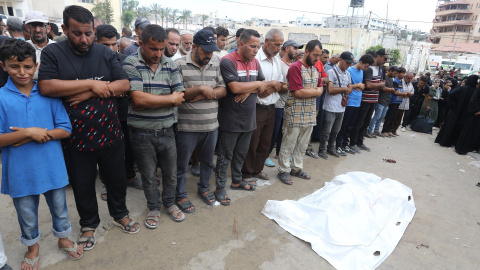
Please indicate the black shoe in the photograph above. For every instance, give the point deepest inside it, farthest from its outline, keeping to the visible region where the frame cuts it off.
(332, 152)
(323, 155)
(364, 147)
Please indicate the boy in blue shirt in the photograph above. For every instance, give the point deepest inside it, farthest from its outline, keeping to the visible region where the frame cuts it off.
(31, 126)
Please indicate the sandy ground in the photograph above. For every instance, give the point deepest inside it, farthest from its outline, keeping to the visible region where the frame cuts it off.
(444, 233)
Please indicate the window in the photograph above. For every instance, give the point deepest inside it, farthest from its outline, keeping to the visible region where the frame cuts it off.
(476, 41)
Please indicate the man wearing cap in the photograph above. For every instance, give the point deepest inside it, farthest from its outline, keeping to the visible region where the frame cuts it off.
(258, 150)
(290, 49)
(140, 23)
(339, 85)
(155, 89)
(374, 78)
(305, 85)
(186, 41)
(172, 43)
(37, 23)
(197, 118)
(244, 79)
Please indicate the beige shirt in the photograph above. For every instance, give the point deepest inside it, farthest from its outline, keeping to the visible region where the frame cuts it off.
(38, 52)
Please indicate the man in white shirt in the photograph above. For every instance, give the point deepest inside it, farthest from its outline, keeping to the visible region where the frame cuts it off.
(37, 23)
(186, 41)
(222, 38)
(259, 148)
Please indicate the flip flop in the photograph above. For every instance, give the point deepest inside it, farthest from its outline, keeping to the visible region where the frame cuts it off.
(31, 262)
(262, 175)
(243, 186)
(71, 249)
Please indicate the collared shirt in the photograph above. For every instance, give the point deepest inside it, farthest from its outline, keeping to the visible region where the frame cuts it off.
(163, 81)
(177, 55)
(200, 116)
(131, 49)
(218, 55)
(407, 88)
(273, 72)
(238, 116)
(46, 166)
(333, 103)
(328, 66)
(38, 52)
(301, 112)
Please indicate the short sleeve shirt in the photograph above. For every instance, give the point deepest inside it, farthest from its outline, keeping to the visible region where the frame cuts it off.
(95, 122)
(384, 97)
(301, 112)
(374, 74)
(283, 96)
(355, 98)
(200, 116)
(163, 81)
(233, 116)
(333, 103)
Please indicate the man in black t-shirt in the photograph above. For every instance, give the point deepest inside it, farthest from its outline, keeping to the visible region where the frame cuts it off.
(88, 77)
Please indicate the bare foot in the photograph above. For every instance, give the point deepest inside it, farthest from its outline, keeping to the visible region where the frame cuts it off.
(66, 243)
(31, 254)
(184, 200)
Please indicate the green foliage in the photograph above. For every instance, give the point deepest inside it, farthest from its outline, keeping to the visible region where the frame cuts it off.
(143, 12)
(155, 10)
(394, 53)
(185, 16)
(127, 18)
(204, 19)
(103, 11)
(129, 5)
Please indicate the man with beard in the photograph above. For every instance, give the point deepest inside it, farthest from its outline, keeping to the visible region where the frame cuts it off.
(197, 119)
(258, 150)
(172, 42)
(37, 23)
(305, 85)
(155, 88)
(186, 41)
(244, 79)
(290, 49)
(88, 77)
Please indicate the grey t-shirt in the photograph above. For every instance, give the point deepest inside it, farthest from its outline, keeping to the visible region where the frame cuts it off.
(384, 97)
(333, 103)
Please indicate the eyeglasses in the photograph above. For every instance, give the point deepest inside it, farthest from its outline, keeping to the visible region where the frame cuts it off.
(37, 24)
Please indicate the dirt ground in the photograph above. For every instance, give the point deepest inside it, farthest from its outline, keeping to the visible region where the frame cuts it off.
(444, 233)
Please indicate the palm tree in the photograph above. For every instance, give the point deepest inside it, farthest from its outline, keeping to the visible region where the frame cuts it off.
(143, 12)
(168, 11)
(204, 19)
(155, 9)
(174, 16)
(163, 14)
(186, 15)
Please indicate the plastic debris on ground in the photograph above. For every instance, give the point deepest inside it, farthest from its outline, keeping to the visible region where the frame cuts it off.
(354, 222)
(475, 164)
(461, 170)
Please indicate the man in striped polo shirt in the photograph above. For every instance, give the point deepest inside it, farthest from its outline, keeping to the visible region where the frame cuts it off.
(244, 79)
(374, 79)
(197, 118)
(155, 88)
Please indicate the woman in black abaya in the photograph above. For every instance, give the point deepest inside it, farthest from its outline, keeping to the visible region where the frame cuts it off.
(469, 139)
(457, 101)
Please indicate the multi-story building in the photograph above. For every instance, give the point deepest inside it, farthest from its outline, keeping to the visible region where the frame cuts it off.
(365, 22)
(15, 8)
(456, 22)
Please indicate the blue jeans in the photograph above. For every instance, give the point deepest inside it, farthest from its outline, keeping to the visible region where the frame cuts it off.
(186, 144)
(27, 213)
(380, 112)
(154, 149)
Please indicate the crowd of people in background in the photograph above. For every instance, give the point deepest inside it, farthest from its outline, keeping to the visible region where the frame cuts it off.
(91, 100)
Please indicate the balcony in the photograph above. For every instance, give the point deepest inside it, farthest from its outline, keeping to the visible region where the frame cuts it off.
(453, 12)
(452, 23)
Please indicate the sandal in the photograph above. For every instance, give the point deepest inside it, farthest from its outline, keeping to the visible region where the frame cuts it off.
(31, 262)
(152, 215)
(173, 213)
(301, 174)
(185, 205)
(285, 178)
(130, 225)
(207, 198)
(135, 183)
(243, 186)
(221, 197)
(262, 175)
(71, 249)
(103, 193)
(87, 239)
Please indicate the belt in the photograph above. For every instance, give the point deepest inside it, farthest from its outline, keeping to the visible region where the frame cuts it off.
(155, 132)
(266, 106)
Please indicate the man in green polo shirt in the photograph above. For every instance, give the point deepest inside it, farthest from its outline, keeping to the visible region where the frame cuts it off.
(155, 88)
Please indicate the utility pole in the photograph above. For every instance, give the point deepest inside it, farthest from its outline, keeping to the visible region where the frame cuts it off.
(453, 51)
(368, 22)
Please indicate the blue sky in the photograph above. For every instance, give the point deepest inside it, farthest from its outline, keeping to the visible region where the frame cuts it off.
(406, 10)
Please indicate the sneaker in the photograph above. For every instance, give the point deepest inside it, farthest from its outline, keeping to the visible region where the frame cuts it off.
(349, 150)
(323, 155)
(332, 152)
(355, 148)
(196, 170)
(341, 152)
(269, 163)
(403, 129)
(311, 153)
(364, 147)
